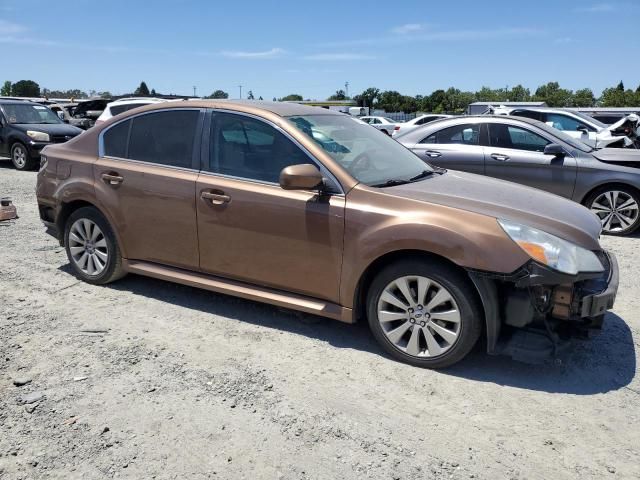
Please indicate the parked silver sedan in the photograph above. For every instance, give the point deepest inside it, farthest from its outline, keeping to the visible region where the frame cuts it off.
(529, 152)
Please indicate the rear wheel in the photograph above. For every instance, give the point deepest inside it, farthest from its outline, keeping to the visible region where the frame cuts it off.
(20, 157)
(92, 247)
(617, 207)
(425, 314)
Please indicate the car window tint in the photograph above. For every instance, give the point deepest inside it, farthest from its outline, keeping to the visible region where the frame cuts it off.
(116, 109)
(565, 123)
(466, 134)
(507, 136)
(164, 137)
(115, 140)
(528, 114)
(243, 147)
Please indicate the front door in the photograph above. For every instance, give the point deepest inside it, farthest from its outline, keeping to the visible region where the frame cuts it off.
(456, 147)
(252, 230)
(517, 154)
(146, 179)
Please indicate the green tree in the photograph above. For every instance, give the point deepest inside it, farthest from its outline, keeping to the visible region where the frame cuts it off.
(620, 86)
(105, 94)
(142, 90)
(614, 97)
(25, 88)
(584, 98)
(390, 101)
(218, 94)
(250, 95)
(153, 92)
(6, 89)
(260, 98)
(519, 94)
(553, 95)
(339, 95)
(368, 97)
(293, 97)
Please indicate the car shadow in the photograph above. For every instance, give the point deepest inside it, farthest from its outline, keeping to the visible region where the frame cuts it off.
(605, 363)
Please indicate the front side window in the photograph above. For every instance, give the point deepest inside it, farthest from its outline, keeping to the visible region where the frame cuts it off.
(466, 134)
(566, 123)
(369, 157)
(248, 148)
(508, 136)
(164, 137)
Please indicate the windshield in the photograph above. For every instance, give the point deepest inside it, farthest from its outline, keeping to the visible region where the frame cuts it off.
(589, 119)
(575, 143)
(388, 119)
(368, 155)
(28, 113)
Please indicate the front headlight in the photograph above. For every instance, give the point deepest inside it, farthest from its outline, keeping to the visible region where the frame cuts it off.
(552, 251)
(38, 136)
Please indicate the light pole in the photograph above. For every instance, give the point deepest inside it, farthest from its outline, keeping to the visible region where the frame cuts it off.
(240, 87)
(194, 91)
(346, 88)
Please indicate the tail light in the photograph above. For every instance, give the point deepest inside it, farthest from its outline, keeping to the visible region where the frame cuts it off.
(397, 127)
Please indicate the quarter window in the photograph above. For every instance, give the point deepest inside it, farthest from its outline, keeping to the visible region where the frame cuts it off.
(115, 140)
(466, 134)
(247, 148)
(507, 136)
(164, 137)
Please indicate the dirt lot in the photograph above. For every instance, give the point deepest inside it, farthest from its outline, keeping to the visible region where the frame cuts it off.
(146, 379)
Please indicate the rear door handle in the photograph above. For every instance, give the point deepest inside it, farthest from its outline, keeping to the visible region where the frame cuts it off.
(432, 154)
(499, 157)
(215, 198)
(112, 179)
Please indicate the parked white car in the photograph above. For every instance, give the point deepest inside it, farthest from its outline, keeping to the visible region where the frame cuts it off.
(384, 124)
(114, 108)
(416, 122)
(581, 126)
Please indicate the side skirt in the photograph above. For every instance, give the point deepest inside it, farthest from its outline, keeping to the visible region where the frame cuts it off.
(241, 289)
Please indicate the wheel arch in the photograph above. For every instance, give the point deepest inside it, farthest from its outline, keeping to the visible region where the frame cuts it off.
(610, 184)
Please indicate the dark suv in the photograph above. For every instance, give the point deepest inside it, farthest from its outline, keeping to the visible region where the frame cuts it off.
(26, 128)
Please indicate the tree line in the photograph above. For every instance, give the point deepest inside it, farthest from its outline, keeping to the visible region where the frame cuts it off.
(452, 100)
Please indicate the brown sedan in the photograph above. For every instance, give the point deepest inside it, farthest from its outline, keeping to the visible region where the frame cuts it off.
(313, 210)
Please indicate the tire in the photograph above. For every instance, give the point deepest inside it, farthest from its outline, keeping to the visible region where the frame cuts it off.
(94, 256)
(407, 337)
(20, 157)
(616, 221)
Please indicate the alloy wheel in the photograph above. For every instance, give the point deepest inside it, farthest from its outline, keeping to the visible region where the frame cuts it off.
(88, 247)
(617, 210)
(19, 156)
(419, 316)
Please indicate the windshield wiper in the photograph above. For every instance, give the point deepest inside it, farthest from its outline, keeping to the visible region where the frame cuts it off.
(391, 183)
(421, 175)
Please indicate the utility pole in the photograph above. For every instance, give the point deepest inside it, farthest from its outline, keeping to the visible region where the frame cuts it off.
(194, 91)
(240, 87)
(346, 88)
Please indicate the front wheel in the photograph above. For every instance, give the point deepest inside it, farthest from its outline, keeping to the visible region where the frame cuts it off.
(424, 313)
(617, 209)
(20, 157)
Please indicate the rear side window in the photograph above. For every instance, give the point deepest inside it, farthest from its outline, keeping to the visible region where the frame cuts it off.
(507, 136)
(528, 114)
(115, 140)
(566, 123)
(164, 137)
(248, 148)
(466, 134)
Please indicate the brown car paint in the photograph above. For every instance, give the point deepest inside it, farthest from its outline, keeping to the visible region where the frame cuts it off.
(299, 249)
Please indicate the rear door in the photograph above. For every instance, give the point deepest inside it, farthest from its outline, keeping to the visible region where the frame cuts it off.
(516, 153)
(145, 178)
(457, 147)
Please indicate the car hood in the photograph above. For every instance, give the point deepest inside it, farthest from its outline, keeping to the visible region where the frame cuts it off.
(50, 128)
(617, 155)
(510, 201)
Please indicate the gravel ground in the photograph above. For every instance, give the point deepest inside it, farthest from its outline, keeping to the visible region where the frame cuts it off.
(147, 379)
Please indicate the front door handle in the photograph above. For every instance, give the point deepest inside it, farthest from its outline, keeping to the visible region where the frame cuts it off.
(500, 157)
(432, 154)
(112, 179)
(215, 198)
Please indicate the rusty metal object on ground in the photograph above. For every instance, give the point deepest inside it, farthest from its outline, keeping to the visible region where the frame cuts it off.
(7, 210)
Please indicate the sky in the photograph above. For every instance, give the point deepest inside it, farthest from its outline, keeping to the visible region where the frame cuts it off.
(275, 48)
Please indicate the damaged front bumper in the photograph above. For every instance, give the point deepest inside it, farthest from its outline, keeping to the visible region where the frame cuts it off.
(531, 312)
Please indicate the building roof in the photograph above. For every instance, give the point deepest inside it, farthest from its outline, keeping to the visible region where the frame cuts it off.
(509, 104)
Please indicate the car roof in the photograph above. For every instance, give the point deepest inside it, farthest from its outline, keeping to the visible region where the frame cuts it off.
(282, 109)
(20, 102)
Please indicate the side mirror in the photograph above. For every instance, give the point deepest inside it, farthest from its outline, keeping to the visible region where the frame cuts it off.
(554, 149)
(300, 177)
(584, 130)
